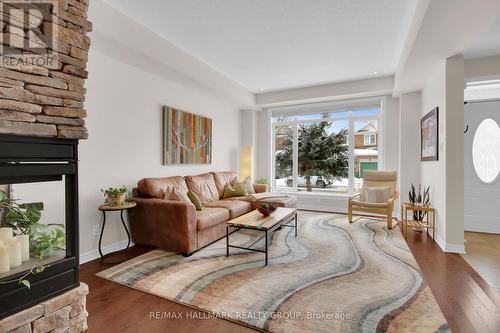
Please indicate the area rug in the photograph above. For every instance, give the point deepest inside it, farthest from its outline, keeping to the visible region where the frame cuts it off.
(333, 277)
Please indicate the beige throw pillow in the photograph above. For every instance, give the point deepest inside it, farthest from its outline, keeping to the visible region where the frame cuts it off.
(378, 194)
(250, 188)
(178, 196)
(247, 181)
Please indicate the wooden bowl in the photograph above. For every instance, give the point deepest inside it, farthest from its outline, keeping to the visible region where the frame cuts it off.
(266, 212)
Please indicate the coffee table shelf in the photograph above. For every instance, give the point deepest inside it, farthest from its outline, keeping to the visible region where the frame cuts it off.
(267, 224)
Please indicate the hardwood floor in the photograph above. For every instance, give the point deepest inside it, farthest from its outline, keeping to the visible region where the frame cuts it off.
(466, 300)
(483, 254)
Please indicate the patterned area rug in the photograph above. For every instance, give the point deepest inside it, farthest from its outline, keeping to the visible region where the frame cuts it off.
(334, 277)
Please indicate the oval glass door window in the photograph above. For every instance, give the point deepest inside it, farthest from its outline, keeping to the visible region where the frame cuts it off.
(486, 150)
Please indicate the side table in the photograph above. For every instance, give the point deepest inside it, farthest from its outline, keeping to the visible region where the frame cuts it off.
(107, 208)
(425, 224)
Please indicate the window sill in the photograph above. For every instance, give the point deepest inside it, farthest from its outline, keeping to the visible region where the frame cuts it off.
(318, 194)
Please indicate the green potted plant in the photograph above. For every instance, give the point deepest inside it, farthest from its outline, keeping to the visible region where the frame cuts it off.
(266, 209)
(24, 219)
(419, 199)
(263, 181)
(115, 196)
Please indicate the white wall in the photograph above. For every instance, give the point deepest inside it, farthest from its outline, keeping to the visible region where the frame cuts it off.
(126, 91)
(455, 153)
(263, 145)
(433, 173)
(327, 92)
(445, 176)
(409, 145)
(483, 67)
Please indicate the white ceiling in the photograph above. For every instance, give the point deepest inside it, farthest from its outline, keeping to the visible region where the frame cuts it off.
(268, 45)
(488, 44)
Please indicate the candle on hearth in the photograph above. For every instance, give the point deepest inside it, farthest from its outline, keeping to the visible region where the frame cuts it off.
(15, 254)
(5, 234)
(24, 240)
(4, 259)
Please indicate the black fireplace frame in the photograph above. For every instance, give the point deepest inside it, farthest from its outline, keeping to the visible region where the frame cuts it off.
(27, 159)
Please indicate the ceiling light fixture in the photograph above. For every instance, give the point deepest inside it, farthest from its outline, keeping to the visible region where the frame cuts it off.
(261, 89)
(375, 73)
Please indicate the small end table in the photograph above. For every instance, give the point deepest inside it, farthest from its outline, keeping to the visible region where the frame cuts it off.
(107, 208)
(425, 224)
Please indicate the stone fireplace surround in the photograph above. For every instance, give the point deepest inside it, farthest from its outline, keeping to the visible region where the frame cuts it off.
(42, 94)
(42, 89)
(64, 313)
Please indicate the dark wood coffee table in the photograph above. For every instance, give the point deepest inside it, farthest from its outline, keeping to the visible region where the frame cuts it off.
(267, 224)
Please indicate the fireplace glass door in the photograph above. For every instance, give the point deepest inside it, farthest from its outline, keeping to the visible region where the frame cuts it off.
(32, 227)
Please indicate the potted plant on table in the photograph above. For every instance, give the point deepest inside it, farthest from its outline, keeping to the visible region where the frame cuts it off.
(115, 196)
(266, 209)
(419, 199)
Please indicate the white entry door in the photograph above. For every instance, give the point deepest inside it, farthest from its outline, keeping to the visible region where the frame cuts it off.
(481, 163)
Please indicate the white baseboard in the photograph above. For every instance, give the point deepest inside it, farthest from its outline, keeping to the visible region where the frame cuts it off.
(488, 230)
(450, 248)
(94, 254)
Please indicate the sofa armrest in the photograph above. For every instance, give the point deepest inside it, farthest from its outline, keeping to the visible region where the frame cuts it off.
(260, 188)
(167, 224)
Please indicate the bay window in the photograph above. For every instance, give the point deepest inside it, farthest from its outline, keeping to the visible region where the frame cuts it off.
(325, 148)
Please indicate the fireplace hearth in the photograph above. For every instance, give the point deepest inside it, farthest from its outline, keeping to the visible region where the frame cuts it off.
(34, 161)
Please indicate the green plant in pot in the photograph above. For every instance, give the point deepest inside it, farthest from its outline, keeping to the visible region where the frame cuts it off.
(266, 209)
(115, 196)
(24, 219)
(419, 199)
(262, 181)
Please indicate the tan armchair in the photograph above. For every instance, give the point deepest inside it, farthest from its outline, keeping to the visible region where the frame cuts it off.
(358, 202)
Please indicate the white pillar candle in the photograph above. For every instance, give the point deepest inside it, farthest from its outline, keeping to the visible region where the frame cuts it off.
(24, 240)
(4, 259)
(5, 234)
(15, 254)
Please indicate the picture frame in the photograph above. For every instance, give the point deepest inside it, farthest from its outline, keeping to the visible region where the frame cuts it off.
(187, 137)
(429, 136)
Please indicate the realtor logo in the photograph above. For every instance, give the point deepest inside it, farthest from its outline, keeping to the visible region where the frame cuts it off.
(28, 27)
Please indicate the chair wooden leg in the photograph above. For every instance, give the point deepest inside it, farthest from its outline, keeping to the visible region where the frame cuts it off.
(389, 218)
(349, 213)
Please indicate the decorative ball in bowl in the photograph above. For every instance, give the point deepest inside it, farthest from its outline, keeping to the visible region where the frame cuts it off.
(266, 209)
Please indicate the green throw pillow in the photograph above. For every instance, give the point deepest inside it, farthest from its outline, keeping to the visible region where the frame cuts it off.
(195, 200)
(237, 190)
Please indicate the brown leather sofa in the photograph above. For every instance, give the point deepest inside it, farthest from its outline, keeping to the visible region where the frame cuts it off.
(176, 225)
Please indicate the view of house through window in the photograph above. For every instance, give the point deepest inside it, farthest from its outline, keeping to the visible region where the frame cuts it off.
(313, 151)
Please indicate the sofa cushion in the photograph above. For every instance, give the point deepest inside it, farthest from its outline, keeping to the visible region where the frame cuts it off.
(235, 207)
(250, 187)
(177, 196)
(209, 217)
(156, 187)
(236, 190)
(222, 179)
(195, 200)
(378, 194)
(289, 201)
(204, 186)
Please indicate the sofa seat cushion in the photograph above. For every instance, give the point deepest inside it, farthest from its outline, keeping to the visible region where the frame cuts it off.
(236, 207)
(210, 216)
(204, 186)
(157, 187)
(289, 201)
(222, 179)
(242, 198)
